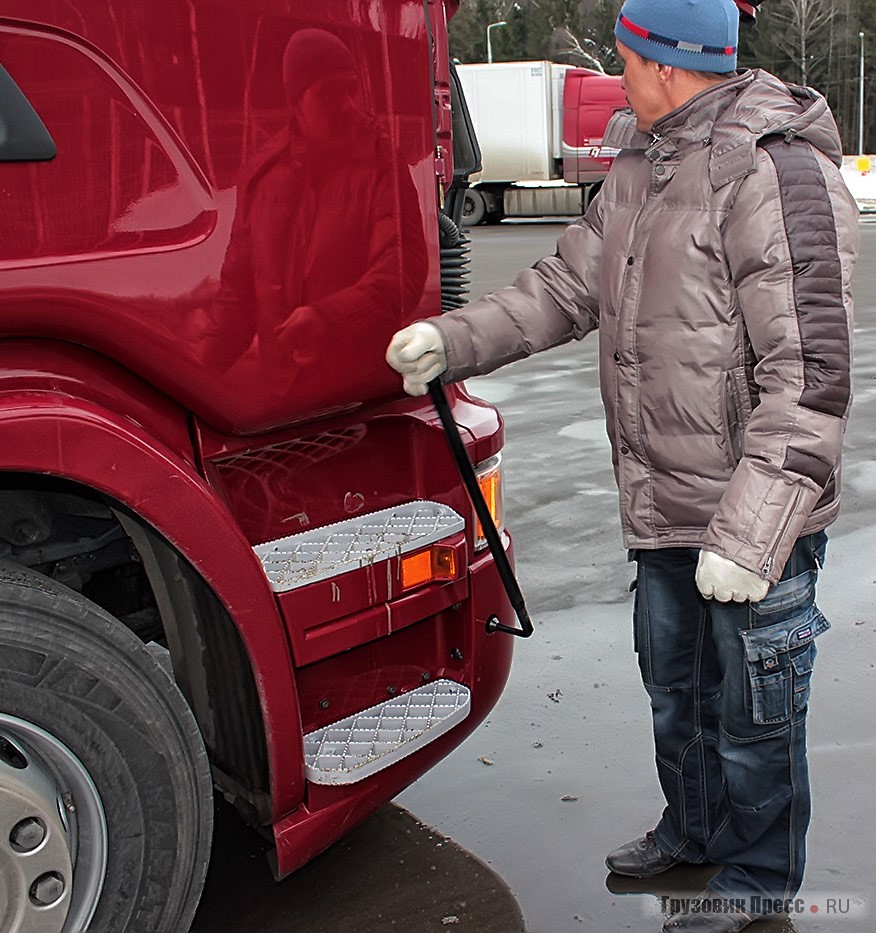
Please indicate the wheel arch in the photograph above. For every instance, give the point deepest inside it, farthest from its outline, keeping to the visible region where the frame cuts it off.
(214, 599)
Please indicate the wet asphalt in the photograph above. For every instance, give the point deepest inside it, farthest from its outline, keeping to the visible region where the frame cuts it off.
(390, 875)
(510, 831)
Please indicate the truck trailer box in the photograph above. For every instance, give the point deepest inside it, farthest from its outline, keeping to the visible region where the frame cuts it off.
(540, 127)
(516, 108)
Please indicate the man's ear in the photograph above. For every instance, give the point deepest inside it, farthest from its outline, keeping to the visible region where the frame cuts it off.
(664, 72)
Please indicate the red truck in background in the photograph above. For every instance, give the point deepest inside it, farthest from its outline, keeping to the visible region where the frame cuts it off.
(234, 558)
(540, 128)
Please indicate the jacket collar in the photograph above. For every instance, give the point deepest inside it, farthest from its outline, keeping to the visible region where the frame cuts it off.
(688, 125)
(697, 123)
(692, 122)
(731, 117)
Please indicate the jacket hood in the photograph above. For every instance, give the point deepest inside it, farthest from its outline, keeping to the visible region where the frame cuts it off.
(767, 106)
(734, 115)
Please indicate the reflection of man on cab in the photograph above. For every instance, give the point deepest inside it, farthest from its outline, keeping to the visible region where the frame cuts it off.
(315, 252)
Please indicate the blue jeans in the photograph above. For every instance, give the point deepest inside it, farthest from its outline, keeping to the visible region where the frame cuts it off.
(729, 685)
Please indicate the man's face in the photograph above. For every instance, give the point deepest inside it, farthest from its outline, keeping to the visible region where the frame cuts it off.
(330, 109)
(646, 91)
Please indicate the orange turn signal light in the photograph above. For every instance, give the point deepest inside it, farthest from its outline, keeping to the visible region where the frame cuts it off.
(489, 476)
(435, 563)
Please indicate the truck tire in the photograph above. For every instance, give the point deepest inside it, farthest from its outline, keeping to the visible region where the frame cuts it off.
(474, 208)
(106, 809)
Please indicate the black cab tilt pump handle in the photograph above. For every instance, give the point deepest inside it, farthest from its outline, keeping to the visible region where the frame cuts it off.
(494, 541)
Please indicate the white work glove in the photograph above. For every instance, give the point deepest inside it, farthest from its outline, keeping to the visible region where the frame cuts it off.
(417, 352)
(721, 578)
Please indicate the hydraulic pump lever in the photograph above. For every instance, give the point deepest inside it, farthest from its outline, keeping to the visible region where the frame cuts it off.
(494, 540)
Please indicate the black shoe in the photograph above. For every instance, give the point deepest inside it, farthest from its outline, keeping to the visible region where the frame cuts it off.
(685, 880)
(640, 858)
(709, 913)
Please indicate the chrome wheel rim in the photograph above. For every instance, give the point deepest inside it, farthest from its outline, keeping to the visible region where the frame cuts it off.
(53, 835)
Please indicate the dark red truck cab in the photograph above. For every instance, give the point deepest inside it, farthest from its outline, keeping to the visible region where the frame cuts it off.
(234, 558)
(590, 99)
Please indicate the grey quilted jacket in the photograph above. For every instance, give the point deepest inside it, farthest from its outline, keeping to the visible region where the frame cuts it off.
(716, 263)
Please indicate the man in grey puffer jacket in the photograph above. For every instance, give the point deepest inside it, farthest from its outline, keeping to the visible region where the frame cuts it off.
(716, 264)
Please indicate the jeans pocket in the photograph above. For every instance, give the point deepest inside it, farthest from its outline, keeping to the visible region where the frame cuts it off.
(802, 678)
(786, 598)
(819, 547)
(779, 659)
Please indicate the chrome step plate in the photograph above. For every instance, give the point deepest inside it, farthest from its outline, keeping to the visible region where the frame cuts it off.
(330, 550)
(354, 748)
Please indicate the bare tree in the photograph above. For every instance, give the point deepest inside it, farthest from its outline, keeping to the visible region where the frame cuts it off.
(802, 31)
(566, 47)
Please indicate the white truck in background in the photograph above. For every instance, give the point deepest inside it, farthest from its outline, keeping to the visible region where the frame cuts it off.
(539, 125)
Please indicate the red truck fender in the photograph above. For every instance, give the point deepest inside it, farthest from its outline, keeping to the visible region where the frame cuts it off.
(48, 430)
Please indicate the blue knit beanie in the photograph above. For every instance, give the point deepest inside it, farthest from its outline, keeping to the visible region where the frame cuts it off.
(697, 35)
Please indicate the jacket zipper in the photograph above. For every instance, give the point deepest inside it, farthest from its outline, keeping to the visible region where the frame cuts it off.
(768, 565)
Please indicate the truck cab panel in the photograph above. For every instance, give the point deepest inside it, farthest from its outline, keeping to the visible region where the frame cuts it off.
(199, 273)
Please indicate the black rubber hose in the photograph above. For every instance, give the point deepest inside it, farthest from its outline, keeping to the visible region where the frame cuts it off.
(491, 533)
(454, 263)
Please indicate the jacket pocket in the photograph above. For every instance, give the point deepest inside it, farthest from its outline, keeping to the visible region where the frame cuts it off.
(779, 659)
(737, 411)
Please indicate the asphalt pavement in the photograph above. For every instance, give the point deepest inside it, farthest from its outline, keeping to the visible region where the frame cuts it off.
(390, 875)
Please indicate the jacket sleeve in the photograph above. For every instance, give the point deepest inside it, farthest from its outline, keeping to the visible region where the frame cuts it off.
(551, 303)
(791, 240)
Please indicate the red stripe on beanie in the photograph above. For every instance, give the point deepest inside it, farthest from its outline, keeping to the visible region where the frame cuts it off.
(644, 33)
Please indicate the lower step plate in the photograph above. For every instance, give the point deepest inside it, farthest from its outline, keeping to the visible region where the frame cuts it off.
(354, 748)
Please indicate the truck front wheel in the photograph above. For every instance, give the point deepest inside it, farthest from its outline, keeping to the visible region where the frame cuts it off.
(105, 791)
(474, 208)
